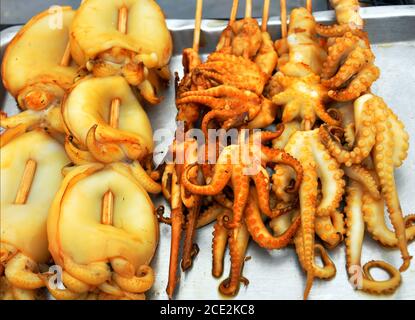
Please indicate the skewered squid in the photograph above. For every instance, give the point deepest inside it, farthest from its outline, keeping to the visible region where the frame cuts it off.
(106, 123)
(30, 176)
(107, 240)
(128, 38)
(37, 69)
(380, 132)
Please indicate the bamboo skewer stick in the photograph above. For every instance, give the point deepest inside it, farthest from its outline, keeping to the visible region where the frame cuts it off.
(114, 116)
(114, 113)
(198, 23)
(265, 16)
(309, 5)
(26, 182)
(66, 59)
(248, 9)
(234, 12)
(122, 19)
(283, 15)
(107, 208)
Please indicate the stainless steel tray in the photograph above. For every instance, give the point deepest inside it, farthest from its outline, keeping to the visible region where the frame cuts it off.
(277, 274)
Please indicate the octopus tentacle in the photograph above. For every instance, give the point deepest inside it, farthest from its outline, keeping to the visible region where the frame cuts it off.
(281, 179)
(289, 129)
(360, 84)
(260, 233)
(220, 240)
(365, 178)
(335, 30)
(383, 161)
(238, 243)
(401, 138)
(354, 63)
(328, 270)
(330, 228)
(209, 215)
(331, 178)
(190, 248)
(222, 174)
(308, 199)
(262, 185)
(281, 157)
(365, 137)
(374, 217)
(337, 53)
(240, 183)
(361, 278)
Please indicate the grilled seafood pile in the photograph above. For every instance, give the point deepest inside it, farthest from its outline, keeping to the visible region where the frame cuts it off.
(320, 179)
(76, 163)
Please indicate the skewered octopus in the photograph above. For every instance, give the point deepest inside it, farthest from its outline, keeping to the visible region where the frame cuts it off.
(185, 209)
(129, 50)
(303, 98)
(238, 239)
(297, 86)
(348, 18)
(238, 163)
(348, 70)
(92, 136)
(188, 113)
(37, 159)
(37, 70)
(379, 132)
(301, 53)
(318, 205)
(87, 237)
(230, 82)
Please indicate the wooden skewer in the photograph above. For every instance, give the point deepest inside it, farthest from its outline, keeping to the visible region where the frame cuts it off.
(234, 12)
(309, 5)
(107, 212)
(198, 23)
(265, 15)
(107, 208)
(122, 19)
(248, 9)
(66, 59)
(283, 15)
(26, 182)
(115, 113)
